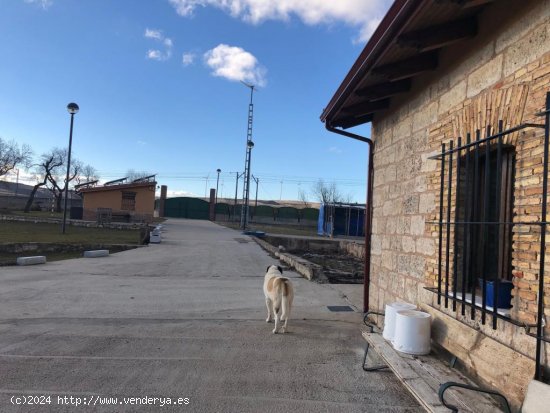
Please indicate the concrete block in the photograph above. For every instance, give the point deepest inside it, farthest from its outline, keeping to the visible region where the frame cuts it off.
(96, 253)
(39, 259)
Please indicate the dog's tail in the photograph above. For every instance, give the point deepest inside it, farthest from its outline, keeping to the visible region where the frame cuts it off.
(282, 290)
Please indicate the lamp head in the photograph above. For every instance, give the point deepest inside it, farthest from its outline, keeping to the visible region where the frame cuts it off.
(72, 108)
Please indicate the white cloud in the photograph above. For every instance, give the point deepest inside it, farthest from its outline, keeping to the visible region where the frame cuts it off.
(141, 143)
(334, 149)
(362, 14)
(171, 194)
(235, 64)
(157, 54)
(153, 34)
(188, 58)
(42, 3)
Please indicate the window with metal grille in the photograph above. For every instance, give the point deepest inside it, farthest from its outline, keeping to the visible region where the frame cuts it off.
(128, 201)
(484, 242)
(476, 221)
(467, 242)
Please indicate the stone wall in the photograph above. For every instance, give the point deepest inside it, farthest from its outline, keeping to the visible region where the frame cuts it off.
(48, 247)
(75, 223)
(504, 73)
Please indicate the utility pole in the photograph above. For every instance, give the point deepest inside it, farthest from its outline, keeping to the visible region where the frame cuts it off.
(249, 146)
(206, 185)
(237, 176)
(257, 180)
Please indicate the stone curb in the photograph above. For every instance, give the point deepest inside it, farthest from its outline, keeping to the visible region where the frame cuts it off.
(304, 267)
(96, 253)
(39, 259)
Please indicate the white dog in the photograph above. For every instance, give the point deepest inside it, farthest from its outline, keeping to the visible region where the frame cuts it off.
(279, 294)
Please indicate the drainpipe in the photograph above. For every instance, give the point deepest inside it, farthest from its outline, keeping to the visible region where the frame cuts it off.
(368, 209)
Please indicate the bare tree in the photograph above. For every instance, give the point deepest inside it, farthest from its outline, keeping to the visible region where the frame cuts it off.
(49, 162)
(57, 178)
(303, 196)
(11, 156)
(132, 174)
(326, 193)
(88, 174)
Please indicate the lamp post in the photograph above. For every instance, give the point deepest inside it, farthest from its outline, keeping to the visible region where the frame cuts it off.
(217, 183)
(72, 108)
(249, 146)
(244, 215)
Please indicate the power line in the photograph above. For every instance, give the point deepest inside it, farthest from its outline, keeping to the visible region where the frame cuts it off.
(268, 178)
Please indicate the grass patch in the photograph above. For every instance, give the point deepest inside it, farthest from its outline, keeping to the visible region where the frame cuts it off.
(33, 214)
(275, 229)
(41, 232)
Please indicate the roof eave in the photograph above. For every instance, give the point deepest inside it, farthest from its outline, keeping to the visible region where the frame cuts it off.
(392, 24)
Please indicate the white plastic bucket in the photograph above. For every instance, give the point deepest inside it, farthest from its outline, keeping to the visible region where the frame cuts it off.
(389, 318)
(412, 332)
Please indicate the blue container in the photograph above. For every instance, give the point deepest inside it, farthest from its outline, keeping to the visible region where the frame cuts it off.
(504, 297)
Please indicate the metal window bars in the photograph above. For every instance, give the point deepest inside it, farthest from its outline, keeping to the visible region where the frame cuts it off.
(471, 162)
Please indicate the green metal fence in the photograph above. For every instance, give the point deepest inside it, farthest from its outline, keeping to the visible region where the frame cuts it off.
(194, 208)
(184, 207)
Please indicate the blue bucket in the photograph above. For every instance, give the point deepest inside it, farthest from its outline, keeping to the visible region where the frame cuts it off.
(504, 296)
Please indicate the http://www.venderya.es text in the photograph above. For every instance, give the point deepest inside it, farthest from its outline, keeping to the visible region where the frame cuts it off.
(95, 400)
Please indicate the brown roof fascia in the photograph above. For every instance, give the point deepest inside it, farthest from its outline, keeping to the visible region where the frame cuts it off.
(118, 187)
(393, 23)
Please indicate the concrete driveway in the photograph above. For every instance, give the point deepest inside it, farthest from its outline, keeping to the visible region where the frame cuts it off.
(181, 320)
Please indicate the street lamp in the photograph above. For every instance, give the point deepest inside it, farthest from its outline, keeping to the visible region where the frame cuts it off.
(72, 108)
(249, 146)
(217, 182)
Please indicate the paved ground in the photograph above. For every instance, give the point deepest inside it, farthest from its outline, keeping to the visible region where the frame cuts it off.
(183, 319)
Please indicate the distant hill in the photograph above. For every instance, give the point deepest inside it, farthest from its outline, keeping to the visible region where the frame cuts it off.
(12, 188)
(275, 204)
(23, 190)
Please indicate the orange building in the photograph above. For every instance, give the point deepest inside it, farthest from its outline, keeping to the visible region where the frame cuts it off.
(127, 202)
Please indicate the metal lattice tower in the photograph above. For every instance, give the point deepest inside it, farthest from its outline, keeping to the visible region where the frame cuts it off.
(249, 145)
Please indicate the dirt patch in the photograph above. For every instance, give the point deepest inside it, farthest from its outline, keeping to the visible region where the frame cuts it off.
(337, 268)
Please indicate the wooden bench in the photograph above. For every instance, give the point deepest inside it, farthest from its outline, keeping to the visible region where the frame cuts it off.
(437, 387)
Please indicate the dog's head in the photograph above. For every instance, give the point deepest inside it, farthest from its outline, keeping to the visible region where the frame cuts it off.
(275, 267)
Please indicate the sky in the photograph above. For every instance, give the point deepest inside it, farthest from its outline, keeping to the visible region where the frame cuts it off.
(158, 86)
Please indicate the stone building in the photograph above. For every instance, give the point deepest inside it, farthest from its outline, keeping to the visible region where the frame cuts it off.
(433, 72)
